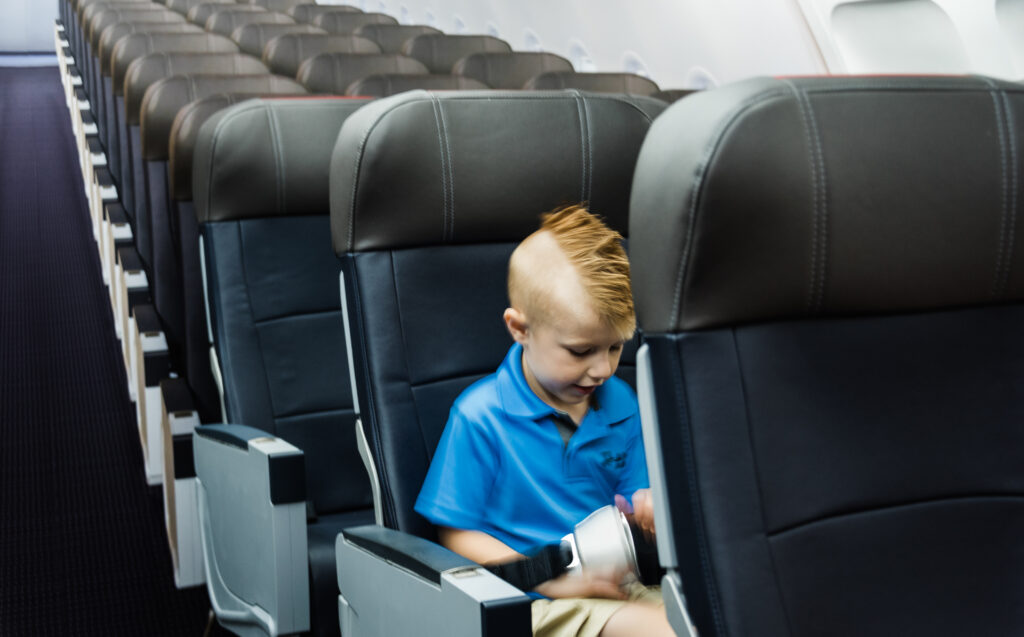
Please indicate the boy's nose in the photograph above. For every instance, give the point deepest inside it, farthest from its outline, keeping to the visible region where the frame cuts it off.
(601, 367)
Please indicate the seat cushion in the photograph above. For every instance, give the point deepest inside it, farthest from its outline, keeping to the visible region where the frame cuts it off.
(323, 572)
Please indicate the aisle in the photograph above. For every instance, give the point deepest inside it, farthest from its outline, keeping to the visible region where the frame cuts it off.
(82, 544)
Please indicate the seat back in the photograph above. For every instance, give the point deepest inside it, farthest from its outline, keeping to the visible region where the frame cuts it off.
(347, 22)
(440, 52)
(113, 34)
(392, 37)
(831, 305)
(252, 38)
(286, 53)
(429, 195)
(281, 6)
(134, 46)
(308, 12)
(261, 187)
(627, 83)
(386, 84)
(333, 72)
(184, 6)
(672, 94)
(227, 21)
(509, 70)
(125, 13)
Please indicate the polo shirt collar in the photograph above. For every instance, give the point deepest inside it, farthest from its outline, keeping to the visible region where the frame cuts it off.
(518, 399)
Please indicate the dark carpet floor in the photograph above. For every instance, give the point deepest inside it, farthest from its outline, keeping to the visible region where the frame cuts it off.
(83, 549)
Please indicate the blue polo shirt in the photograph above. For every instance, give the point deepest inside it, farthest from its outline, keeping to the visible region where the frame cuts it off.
(501, 466)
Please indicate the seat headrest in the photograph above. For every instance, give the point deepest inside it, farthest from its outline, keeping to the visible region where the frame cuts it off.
(387, 84)
(253, 38)
(267, 158)
(308, 12)
(346, 22)
(509, 70)
(776, 199)
(201, 13)
(113, 34)
(185, 133)
(440, 52)
(391, 37)
(283, 6)
(148, 69)
(126, 13)
(87, 11)
(226, 22)
(628, 83)
(134, 46)
(183, 6)
(286, 53)
(168, 96)
(333, 72)
(425, 168)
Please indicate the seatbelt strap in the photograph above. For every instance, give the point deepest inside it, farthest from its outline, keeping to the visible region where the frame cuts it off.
(547, 563)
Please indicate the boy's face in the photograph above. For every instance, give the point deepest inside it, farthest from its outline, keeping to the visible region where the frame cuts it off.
(564, 361)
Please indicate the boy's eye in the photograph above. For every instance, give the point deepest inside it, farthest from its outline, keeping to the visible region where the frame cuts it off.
(617, 347)
(579, 353)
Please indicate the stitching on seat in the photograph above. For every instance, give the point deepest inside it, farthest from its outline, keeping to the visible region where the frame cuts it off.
(1000, 251)
(444, 171)
(1014, 169)
(275, 141)
(679, 295)
(451, 173)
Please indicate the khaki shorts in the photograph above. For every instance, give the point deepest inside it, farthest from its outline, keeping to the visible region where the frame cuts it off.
(584, 617)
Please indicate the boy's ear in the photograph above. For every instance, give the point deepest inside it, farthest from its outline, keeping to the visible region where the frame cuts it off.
(515, 321)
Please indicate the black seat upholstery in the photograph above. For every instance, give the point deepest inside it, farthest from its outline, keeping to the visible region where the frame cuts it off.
(348, 22)
(285, 54)
(509, 70)
(440, 52)
(435, 269)
(392, 37)
(309, 12)
(225, 22)
(201, 13)
(672, 94)
(272, 279)
(167, 233)
(333, 72)
(253, 38)
(824, 276)
(281, 6)
(386, 84)
(184, 6)
(626, 83)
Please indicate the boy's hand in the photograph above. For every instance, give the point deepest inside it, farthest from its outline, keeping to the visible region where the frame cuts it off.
(640, 512)
(583, 584)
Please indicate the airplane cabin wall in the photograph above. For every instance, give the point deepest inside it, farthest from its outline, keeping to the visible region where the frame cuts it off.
(697, 43)
(27, 26)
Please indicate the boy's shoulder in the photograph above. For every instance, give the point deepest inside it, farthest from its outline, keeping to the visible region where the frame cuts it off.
(482, 398)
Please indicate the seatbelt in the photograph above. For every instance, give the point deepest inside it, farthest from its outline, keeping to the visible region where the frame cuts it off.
(546, 563)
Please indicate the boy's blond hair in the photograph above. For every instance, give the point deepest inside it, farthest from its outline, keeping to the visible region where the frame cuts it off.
(595, 252)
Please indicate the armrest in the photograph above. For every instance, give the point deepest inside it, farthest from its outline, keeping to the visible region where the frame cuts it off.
(441, 593)
(252, 515)
(423, 557)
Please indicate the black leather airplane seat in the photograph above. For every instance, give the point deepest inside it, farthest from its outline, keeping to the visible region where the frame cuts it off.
(309, 12)
(126, 51)
(347, 22)
(201, 13)
(428, 260)
(672, 94)
(623, 83)
(509, 70)
(440, 52)
(285, 54)
(392, 37)
(831, 303)
(386, 84)
(253, 38)
(225, 22)
(332, 73)
(184, 6)
(163, 100)
(261, 197)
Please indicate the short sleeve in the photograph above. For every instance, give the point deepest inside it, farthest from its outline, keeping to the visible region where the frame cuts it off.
(461, 475)
(634, 474)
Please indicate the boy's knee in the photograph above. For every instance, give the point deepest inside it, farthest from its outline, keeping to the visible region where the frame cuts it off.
(638, 618)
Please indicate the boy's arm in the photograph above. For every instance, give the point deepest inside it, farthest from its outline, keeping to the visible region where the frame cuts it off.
(485, 549)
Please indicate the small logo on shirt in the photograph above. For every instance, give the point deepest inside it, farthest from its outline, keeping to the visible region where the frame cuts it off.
(613, 460)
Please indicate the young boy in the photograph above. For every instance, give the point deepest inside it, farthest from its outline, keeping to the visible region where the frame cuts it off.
(534, 448)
